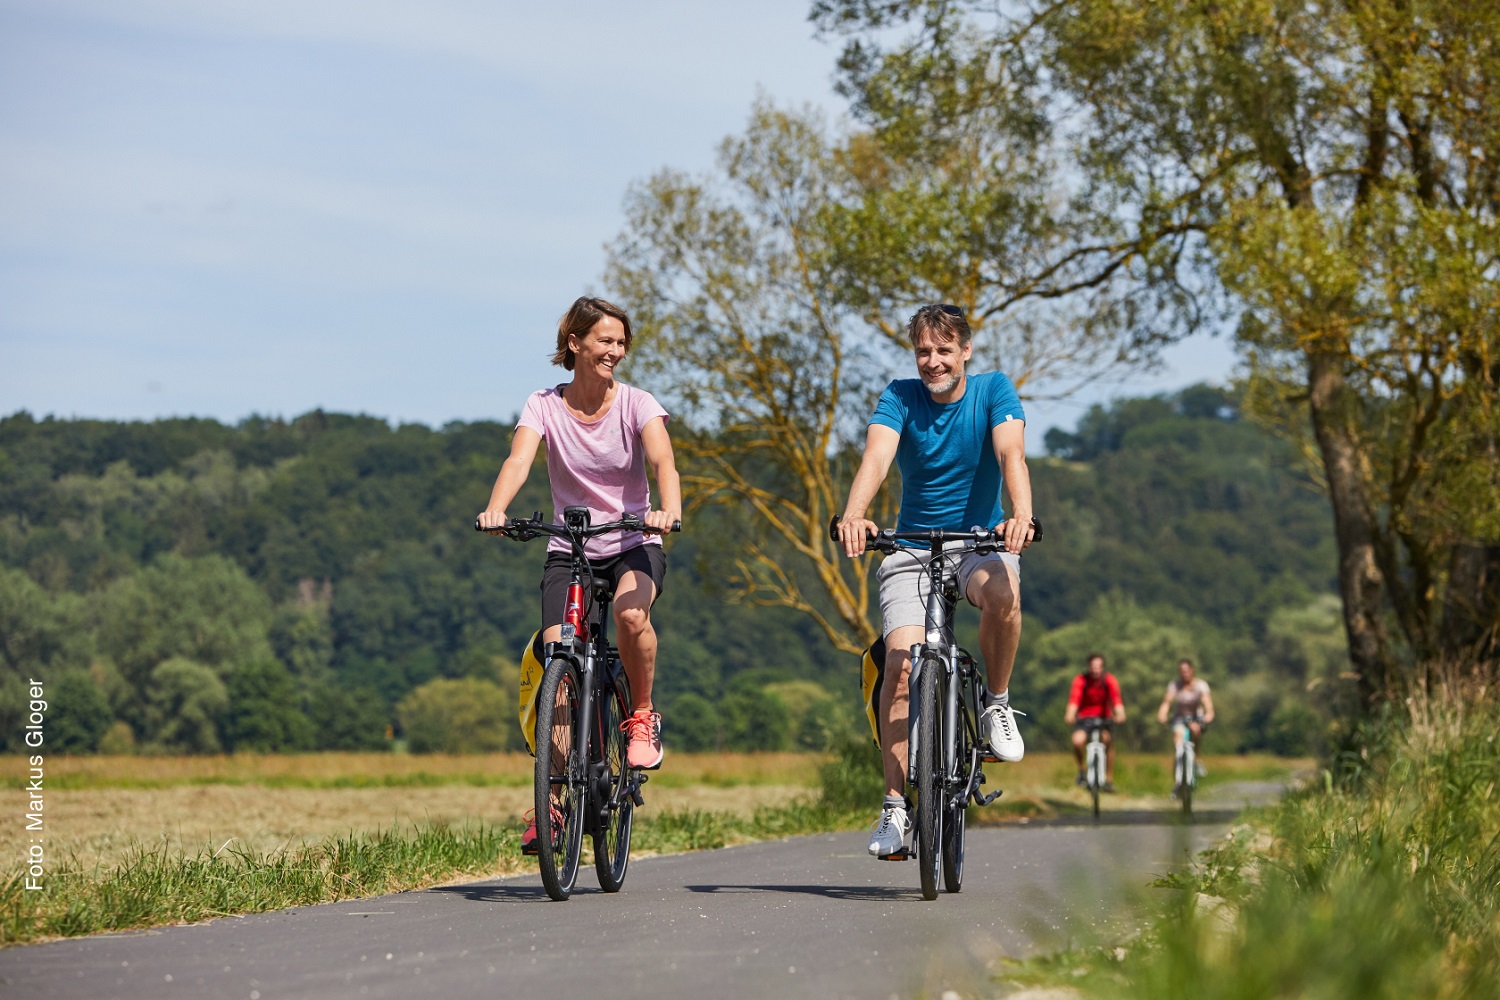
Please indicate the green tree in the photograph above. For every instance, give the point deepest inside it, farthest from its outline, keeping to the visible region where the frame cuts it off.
(752, 718)
(264, 712)
(184, 703)
(1325, 171)
(206, 610)
(466, 715)
(347, 718)
(79, 715)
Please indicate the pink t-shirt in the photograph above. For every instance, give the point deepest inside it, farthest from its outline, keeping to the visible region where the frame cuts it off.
(599, 465)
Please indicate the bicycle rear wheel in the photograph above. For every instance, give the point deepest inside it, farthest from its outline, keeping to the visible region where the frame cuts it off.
(560, 792)
(612, 835)
(956, 816)
(929, 788)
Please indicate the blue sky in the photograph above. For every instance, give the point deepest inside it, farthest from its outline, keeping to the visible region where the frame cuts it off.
(259, 206)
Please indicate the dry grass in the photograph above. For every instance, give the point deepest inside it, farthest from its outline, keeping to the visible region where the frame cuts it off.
(357, 770)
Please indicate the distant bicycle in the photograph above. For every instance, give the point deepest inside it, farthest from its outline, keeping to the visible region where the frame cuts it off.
(1095, 766)
(1184, 765)
(947, 688)
(582, 784)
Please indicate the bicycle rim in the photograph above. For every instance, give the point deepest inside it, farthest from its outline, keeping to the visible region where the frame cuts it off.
(612, 837)
(558, 709)
(929, 780)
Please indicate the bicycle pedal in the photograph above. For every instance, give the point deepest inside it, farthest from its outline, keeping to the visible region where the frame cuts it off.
(902, 855)
(990, 760)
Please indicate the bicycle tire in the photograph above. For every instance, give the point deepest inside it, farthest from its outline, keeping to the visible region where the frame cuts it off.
(929, 779)
(1095, 777)
(1189, 778)
(612, 832)
(955, 820)
(558, 710)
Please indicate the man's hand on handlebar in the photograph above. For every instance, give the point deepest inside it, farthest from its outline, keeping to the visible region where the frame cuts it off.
(853, 534)
(492, 521)
(1017, 532)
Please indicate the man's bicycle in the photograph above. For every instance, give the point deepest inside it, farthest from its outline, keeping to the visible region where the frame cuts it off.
(947, 688)
(1184, 766)
(1095, 761)
(582, 783)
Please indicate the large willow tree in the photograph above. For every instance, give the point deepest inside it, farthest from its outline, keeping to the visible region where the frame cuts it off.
(1325, 173)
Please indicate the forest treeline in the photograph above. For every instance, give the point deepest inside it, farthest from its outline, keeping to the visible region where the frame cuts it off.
(190, 586)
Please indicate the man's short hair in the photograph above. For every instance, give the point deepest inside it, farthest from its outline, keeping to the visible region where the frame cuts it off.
(1094, 656)
(943, 321)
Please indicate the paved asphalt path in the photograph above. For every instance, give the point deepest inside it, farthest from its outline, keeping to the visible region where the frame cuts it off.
(810, 916)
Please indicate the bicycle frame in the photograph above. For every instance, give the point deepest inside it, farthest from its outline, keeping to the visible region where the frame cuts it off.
(957, 697)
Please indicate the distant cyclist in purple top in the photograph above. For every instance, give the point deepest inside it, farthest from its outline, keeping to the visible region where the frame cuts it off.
(601, 434)
(958, 439)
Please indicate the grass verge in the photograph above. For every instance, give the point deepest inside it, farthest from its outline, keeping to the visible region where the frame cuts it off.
(156, 886)
(1383, 882)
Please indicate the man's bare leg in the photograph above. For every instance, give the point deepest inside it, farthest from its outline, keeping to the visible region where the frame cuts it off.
(995, 590)
(895, 705)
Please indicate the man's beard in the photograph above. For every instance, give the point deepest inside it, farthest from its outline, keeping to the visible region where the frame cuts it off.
(945, 386)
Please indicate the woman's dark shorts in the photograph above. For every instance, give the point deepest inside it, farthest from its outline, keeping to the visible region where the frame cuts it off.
(558, 573)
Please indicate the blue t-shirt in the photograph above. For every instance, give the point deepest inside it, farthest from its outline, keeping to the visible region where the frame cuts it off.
(950, 478)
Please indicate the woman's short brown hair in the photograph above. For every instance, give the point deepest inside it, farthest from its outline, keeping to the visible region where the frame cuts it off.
(944, 321)
(580, 318)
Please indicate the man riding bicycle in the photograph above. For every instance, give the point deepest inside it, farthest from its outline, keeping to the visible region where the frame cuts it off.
(957, 439)
(1187, 705)
(601, 434)
(1095, 696)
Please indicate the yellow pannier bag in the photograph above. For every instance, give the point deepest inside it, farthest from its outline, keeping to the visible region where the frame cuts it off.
(531, 682)
(871, 675)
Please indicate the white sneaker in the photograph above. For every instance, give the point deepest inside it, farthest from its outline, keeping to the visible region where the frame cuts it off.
(997, 724)
(890, 831)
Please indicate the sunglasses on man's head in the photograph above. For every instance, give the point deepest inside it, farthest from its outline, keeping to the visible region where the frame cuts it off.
(951, 310)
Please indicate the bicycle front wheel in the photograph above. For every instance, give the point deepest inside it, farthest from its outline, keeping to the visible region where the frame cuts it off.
(560, 791)
(956, 815)
(1189, 778)
(929, 790)
(1095, 776)
(612, 834)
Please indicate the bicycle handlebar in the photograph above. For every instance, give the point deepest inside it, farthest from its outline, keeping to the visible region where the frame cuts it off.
(982, 538)
(523, 529)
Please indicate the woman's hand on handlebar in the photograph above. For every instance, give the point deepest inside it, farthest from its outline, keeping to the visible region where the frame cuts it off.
(661, 521)
(854, 534)
(492, 521)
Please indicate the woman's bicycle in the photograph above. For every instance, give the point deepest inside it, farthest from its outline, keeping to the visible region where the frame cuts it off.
(1096, 760)
(582, 783)
(1184, 766)
(947, 687)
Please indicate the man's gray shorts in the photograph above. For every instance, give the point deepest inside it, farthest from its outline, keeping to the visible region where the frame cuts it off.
(903, 582)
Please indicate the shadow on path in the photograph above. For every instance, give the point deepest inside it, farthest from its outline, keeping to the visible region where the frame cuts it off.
(1141, 817)
(492, 892)
(872, 893)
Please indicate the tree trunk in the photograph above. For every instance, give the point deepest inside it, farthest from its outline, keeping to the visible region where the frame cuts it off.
(1361, 583)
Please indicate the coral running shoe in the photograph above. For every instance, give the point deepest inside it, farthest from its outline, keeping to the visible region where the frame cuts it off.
(529, 838)
(643, 730)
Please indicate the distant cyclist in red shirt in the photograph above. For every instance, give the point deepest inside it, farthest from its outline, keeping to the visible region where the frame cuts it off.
(1095, 695)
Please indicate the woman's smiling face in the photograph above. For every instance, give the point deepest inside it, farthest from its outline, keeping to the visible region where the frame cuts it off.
(601, 349)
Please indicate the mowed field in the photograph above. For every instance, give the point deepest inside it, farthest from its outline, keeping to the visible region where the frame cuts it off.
(98, 808)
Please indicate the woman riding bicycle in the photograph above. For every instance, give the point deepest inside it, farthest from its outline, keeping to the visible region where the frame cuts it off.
(600, 435)
(1187, 706)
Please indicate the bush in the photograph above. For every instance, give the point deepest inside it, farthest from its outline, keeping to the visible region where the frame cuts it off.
(466, 715)
(854, 778)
